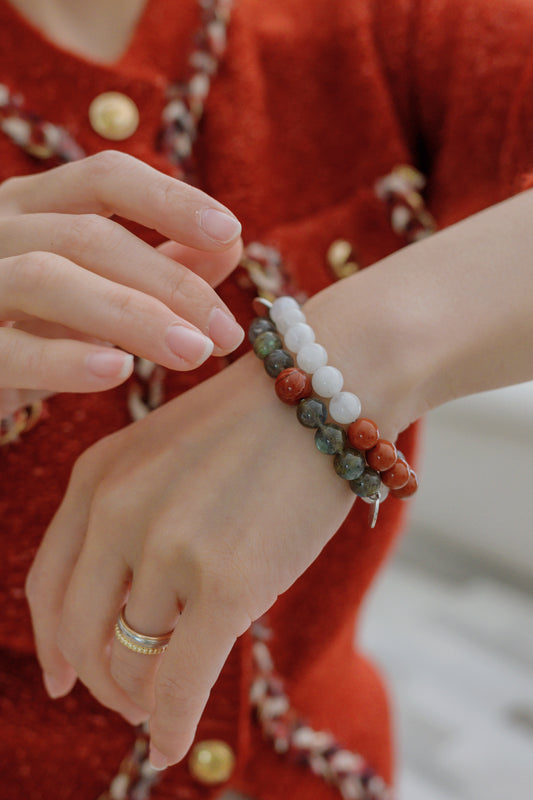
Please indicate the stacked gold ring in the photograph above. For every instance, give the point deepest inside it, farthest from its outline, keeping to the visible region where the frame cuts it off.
(139, 642)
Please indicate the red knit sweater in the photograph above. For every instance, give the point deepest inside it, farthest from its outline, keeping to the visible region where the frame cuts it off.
(315, 101)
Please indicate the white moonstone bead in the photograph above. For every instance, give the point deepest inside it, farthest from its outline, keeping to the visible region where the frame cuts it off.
(298, 335)
(280, 305)
(344, 407)
(327, 381)
(287, 318)
(312, 356)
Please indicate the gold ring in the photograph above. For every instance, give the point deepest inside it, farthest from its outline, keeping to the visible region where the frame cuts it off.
(139, 642)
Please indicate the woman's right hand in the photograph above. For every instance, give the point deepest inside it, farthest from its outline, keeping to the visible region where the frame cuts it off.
(73, 281)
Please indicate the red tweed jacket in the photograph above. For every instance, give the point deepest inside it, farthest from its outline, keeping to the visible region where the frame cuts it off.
(315, 101)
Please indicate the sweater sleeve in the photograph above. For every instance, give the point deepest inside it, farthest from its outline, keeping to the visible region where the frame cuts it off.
(462, 75)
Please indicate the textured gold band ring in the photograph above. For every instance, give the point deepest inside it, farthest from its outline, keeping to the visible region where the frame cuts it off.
(139, 642)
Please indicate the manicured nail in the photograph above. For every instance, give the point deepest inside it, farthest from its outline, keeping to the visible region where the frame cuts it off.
(224, 330)
(219, 226)
(110, 364)
(189, 344)
(157, 759)
(55, 686)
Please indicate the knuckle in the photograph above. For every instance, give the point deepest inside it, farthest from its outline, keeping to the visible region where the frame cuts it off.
(31, 273)
(177, 692)
(101, 164)
(183, 285)
(127, 677)
(85, 229)
(104, 166)
(10, 189)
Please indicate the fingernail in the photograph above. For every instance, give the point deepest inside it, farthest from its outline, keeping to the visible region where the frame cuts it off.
(157, 759)
(110, 364)
(55, 686)
(219, 226)
(189, 344)
(224, 330)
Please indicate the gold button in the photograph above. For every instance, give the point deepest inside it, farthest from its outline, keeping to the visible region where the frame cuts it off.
(211, 762)
(114, 116)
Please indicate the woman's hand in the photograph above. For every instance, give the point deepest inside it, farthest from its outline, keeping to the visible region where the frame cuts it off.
(214, 504)
(73, 282)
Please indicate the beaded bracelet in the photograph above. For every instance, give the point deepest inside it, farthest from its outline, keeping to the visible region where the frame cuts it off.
(372, 466)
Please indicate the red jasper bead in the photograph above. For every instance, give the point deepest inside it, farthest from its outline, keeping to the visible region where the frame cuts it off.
(292, 385)
(382, 456)
(409, 489)
(397, 476)
(363, 434)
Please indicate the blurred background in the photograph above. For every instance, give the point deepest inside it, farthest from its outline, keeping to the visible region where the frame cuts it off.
(451, 619)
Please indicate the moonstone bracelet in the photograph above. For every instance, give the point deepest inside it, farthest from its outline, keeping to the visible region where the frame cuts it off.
(372, 466)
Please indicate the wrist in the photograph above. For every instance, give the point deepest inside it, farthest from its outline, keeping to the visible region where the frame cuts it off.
(362, 323)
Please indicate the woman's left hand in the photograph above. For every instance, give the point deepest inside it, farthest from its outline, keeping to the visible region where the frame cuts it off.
(213, 505)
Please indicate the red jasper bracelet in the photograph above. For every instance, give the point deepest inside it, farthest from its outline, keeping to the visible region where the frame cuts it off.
(372, 465)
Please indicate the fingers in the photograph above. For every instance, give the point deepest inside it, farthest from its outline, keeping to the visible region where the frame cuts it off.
(72, 618)
(55, 365)
(213, 268)
(108, 249)
(47, 582)
(49, 287)
(199, 647)
(96, 592)
(152, 609)
(12, 400)
(110, 183)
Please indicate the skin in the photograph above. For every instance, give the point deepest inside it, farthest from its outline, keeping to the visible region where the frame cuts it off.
(440, 319)
(64, 289)
(135, 527)
(100, 30)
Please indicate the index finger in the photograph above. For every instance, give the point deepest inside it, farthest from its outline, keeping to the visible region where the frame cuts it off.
(111, 183)
(196, 654)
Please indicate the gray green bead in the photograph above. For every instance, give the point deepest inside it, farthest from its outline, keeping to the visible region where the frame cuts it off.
(368, 484)
(312, 413)
(349, 464)
(330, 439)
(276, 361)
(266, 343)
(260, 325)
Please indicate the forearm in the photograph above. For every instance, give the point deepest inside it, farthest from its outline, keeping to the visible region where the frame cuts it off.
(449, 316)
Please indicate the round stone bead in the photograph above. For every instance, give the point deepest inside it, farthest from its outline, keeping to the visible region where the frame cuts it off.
(292, 385)
(349, 464)
(397, 476)
(276, 361)
(330, 439)
(344, 407)
(327, 381)
(266, 343)
(280, 305)
(259, 325)
(383, 494)
(312, 356)
(409, 489)
(367, 484)
(298, 335)
(363, 434)
(312, 413)
(382, 456)
(289, 317)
